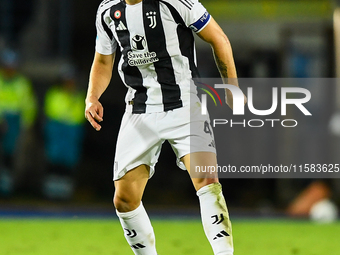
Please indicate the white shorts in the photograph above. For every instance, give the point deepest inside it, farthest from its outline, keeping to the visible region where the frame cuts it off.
(141, 137)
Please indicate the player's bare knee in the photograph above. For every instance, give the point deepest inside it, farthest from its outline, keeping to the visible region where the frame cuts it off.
(123, 204)
(201, 182)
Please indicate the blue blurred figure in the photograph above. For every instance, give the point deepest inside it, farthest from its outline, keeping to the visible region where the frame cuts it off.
(18, 108)
(64, 134)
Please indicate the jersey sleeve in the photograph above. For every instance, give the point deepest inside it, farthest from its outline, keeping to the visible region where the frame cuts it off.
(105, 41)
(193, 13)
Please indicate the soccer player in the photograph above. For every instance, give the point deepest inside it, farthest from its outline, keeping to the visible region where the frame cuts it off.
(157, 65)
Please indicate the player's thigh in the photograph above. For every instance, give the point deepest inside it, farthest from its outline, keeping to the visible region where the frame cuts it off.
(130, 188)
(201, 167)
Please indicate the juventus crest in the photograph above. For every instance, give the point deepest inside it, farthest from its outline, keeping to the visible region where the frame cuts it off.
(152, 17)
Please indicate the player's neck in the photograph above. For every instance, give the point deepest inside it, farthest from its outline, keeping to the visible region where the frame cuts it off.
(132, 2)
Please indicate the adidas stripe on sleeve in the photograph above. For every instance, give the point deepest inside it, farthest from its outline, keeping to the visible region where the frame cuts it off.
(192, 12)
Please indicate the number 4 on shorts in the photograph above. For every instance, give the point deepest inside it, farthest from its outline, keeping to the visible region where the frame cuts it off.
(207, 128)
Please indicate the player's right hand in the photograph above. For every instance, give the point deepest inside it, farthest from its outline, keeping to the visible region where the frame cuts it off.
(94, 112)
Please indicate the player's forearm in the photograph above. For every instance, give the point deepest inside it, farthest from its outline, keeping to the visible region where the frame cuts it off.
(100, 76)
(226, 66)
(97, 85)
(224, 59)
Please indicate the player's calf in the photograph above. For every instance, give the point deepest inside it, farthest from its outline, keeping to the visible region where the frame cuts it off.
(138, 231)
(215, 219)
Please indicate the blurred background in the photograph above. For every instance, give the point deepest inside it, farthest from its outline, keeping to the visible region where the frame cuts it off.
(49, 155)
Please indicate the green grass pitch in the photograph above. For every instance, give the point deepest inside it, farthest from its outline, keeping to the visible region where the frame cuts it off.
(179, 237)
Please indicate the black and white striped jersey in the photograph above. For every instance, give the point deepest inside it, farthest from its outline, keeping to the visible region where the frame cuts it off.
(158, 53)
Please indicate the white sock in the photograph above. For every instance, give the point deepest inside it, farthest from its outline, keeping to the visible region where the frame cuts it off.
(215, 219)
(138, 231)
